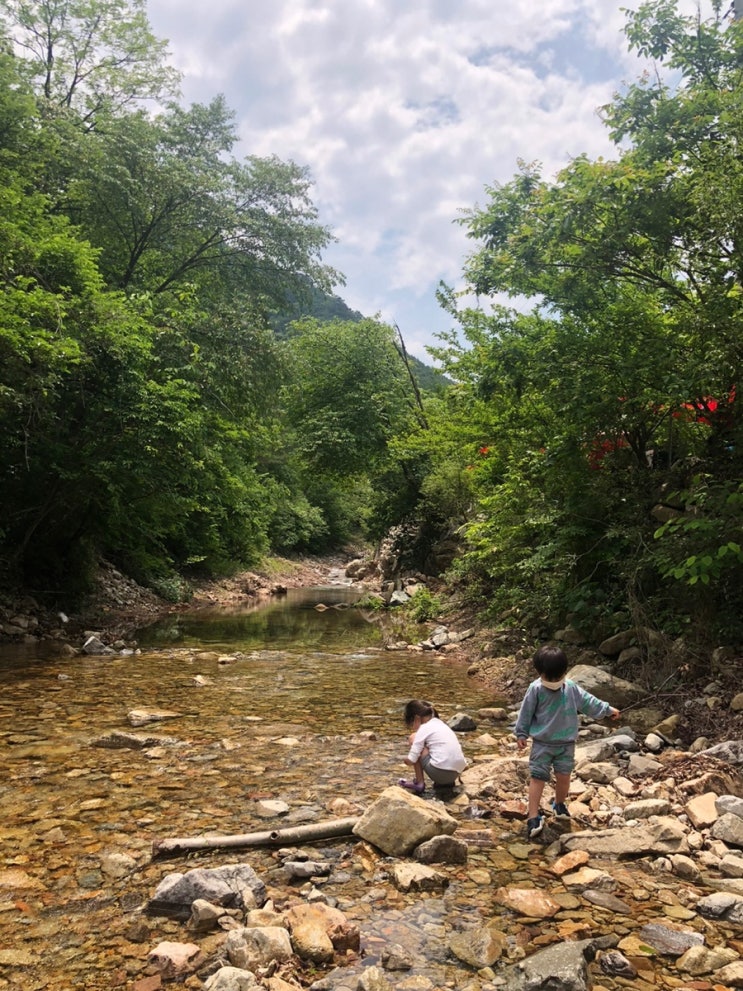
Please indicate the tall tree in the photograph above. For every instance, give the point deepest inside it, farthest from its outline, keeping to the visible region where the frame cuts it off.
(168, 205)
(90, 56)
(139, 263)
(632, 357)
(347, 394)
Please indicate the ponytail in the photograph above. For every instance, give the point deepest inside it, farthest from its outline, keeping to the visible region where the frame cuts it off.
(417, 707)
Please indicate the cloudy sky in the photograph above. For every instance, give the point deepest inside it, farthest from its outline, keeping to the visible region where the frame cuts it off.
(404, 111)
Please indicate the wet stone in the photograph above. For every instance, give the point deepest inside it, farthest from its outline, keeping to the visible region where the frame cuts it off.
(679, 913)
(527, 901)
(90, 879)
(569, 862)
(606, 900)
(567, 901)
(479, 947)
(670, 942)
(417, 877)
(520, 851)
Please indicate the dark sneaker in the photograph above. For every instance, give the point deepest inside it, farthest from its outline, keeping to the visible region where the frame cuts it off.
(561, 810)
(417, 787)
(534, 827)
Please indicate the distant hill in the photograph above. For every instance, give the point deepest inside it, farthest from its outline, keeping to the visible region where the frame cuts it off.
(429, 379)
(328, 307)
(313, 303)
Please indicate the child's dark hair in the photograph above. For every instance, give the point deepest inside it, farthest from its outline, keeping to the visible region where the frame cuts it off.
(417, 707)
(551, 662)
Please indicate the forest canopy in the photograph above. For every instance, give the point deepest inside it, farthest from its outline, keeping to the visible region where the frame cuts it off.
(606, 453)
(181, 390)
(142, 264)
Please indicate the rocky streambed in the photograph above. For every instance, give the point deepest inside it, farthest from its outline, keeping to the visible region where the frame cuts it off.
(106, 756)
(643, 889)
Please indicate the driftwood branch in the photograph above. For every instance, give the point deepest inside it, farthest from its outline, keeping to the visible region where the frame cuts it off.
(273, 837)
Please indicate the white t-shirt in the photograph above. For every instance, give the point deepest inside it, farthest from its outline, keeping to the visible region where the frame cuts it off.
(443, 745)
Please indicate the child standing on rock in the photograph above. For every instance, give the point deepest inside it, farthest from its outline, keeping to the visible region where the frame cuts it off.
(549, 715)
(434, 749)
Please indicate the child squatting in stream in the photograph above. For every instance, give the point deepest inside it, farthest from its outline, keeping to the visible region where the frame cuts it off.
(549, 715)
(434, 748)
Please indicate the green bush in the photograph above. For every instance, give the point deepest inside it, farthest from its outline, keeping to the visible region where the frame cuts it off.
(424, 606)
(172, 588)
(297, 525)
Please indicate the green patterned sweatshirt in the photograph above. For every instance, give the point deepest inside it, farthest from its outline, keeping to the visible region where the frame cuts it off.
(550, 715)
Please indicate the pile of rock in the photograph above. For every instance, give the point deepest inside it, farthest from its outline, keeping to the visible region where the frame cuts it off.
(635, 800)
(259, 940)
(656, 807)
(652, 824)
(116, 603)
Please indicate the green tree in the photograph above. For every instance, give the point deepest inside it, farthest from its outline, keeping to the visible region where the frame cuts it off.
(115, 431)
(623, 385)
(89, 56)
(139, 378)
(346, 395)
(168, 204)
(58, 329)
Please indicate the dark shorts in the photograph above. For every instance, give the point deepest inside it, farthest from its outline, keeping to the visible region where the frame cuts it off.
(544, 756)
(439, 775)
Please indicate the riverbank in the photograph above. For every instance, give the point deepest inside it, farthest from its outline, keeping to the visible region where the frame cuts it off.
(117, 606)
(499, 657)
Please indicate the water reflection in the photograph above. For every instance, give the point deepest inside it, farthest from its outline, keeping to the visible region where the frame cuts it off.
(290, 622)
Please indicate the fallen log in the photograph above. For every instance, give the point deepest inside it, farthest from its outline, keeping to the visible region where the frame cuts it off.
(272, 837)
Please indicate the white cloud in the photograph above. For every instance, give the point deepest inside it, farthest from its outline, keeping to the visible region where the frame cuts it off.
(404, 113)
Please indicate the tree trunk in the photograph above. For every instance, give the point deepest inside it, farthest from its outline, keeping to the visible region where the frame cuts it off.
(272, 837)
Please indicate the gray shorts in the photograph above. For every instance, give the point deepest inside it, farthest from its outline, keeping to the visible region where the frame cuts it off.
(439, 775)
(545, 756)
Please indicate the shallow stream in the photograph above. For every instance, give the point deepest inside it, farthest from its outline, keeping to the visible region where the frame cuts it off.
(295, 701)
(308, 713)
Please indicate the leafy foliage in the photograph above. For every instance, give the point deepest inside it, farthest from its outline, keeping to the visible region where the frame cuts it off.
(709, 527)
(93, 58)
(622, 386)
(348, 391)
(181, 390)
(139, 264)
(424, 606)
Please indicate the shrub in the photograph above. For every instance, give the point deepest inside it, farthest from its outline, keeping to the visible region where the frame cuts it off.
(424, 606)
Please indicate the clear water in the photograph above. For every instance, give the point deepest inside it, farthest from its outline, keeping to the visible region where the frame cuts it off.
(308, 713)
